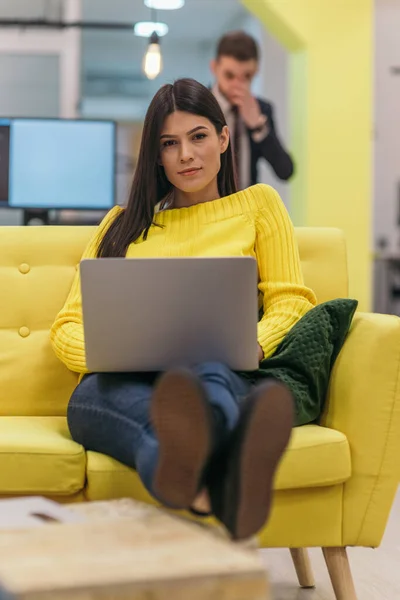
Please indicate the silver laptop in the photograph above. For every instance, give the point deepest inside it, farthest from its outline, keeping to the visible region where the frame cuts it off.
(150, 314)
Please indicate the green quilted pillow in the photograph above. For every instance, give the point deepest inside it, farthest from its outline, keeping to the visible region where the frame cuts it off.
(304, 359)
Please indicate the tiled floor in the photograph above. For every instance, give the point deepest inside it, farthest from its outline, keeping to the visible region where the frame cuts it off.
(376, 572)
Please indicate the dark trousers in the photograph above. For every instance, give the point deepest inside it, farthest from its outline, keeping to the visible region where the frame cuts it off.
(110, 413)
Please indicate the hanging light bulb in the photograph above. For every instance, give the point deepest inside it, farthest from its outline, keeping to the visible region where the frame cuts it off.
(165, 4)
(152, 61)
(146, 28)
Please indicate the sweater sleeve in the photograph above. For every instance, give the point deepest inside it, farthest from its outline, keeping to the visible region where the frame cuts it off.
(66, 334)
(285, 297)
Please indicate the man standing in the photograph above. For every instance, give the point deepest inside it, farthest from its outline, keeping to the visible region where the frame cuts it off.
(250, 120)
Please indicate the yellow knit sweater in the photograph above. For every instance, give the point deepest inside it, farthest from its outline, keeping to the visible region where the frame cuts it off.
(253, 222)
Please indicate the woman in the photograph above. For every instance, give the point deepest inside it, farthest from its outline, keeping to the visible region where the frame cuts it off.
(185, 431)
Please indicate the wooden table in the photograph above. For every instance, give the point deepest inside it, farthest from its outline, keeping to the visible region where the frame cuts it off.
(127, 550)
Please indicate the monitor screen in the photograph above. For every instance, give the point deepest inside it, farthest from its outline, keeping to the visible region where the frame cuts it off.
(61, 164)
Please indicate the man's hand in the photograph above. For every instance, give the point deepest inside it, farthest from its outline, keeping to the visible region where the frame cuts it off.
(249, 108)
(260, 353)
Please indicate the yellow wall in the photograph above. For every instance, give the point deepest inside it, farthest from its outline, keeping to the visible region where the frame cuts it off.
(331, 117)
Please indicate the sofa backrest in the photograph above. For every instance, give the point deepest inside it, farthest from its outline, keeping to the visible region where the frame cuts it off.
(37, 265)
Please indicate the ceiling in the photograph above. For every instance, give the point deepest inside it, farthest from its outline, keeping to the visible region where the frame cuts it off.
(198, 20)
(193, 28)
(112, 60)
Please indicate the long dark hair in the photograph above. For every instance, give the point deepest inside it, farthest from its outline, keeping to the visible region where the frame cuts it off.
(150, 184)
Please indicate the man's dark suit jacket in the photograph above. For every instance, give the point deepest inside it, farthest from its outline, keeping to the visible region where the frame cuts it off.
(269, 148)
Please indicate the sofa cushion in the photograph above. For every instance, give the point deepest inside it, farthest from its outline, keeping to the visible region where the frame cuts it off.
(107, 479)
(316, 457)
(38, 456)
(37, 266)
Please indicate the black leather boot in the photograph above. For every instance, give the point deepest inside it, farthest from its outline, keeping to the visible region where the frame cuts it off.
(184, 425)
(241, 476)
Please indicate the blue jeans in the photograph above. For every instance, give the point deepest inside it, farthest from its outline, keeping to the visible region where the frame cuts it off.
(110, 413)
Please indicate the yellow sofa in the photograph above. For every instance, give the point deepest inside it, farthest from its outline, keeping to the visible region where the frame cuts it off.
(337, 481)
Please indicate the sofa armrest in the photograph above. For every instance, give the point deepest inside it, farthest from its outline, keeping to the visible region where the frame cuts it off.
(364, 403)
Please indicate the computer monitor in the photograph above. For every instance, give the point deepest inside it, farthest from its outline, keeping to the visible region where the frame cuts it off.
(61, 164)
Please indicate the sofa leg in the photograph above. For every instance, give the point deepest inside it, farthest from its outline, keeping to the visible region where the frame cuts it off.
(303, 568)
(339, 571)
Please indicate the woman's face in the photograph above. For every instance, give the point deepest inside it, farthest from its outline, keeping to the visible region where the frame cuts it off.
(190, 151)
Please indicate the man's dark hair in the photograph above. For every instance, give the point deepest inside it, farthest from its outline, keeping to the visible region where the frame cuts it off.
(238, 45)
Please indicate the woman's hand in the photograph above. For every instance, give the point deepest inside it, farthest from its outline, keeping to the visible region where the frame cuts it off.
(260, 353)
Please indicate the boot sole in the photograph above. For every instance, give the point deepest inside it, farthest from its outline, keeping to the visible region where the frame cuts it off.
(183, 424)
(266, 433)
